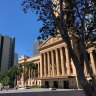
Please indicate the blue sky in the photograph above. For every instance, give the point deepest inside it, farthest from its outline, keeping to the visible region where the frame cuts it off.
(15, 23)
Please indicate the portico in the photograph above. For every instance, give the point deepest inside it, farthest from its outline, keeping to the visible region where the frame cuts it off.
(54, 59)
(55, 62)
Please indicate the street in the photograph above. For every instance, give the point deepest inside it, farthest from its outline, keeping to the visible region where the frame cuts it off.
(42, 92)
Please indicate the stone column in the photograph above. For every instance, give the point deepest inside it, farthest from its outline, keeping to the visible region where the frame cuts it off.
(92, 63)
(45, 65)
(57, 62)
(53, 65)
(41, 63)
(48, 60)
(85, 69)
(62, 61)
(38, 69)
(67, 61)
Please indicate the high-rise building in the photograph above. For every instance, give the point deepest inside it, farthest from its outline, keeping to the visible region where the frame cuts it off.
(35, 45)
(7, 47)
(15, 58)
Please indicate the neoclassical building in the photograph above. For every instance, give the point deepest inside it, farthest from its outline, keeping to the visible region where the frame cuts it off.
(55, 68)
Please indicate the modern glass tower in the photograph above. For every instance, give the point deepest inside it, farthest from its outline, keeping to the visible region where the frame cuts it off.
(7, 48)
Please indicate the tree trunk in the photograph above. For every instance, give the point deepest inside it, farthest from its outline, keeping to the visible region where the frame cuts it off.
(80, 71)
(80, 74)
(86, 86)
(89, 68)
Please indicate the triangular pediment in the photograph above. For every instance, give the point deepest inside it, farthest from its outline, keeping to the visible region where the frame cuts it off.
(50, 41)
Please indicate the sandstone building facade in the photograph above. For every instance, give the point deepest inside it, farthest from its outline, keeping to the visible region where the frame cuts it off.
(55, 68)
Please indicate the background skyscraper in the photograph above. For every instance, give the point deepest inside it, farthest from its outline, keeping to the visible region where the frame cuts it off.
(15, 58)
(7, 48)
(35, 45)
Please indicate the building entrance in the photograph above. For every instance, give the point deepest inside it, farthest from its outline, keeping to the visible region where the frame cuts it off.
(55, 84)
(66, 84)
(46, 84)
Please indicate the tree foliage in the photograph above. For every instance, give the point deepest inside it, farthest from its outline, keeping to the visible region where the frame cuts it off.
(46, 15)
(5, 78)
(6, 81)
(82, 12)
(30, 68)
(8, 77)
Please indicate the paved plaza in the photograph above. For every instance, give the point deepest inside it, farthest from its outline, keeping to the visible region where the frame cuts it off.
(42, 92)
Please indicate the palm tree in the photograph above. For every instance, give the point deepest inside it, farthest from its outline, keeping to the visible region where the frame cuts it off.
(29, 67)
(15, 72)
(29, 71)
(25, 69)
(32, 68)
(19, 70)
(36, 70)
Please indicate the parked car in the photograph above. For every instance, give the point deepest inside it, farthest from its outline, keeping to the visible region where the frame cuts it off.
(27, 87)
(1, 86)
(21, 87)
(52, 88)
